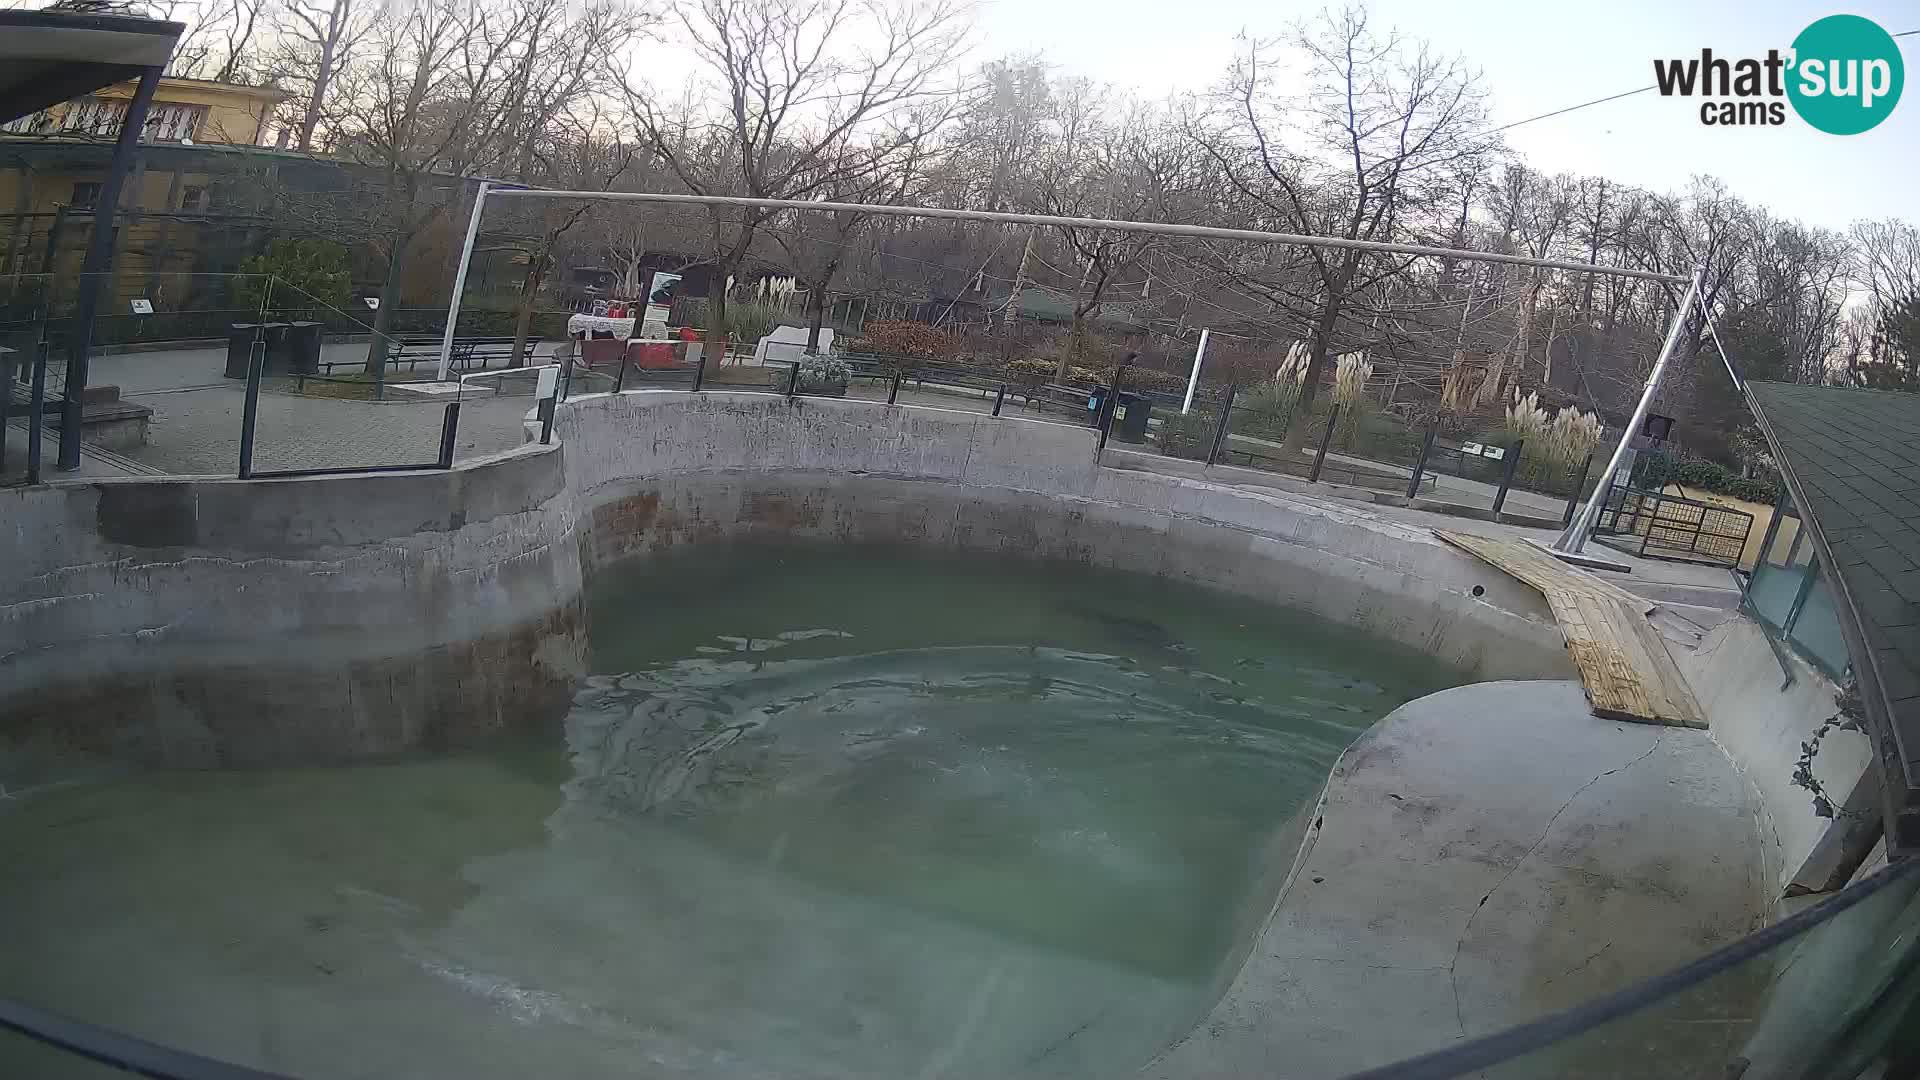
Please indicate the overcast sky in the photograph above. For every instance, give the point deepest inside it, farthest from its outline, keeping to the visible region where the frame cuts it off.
(1537, 57)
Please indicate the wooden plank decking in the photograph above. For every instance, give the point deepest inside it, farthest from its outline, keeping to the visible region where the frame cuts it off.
(1622, 659)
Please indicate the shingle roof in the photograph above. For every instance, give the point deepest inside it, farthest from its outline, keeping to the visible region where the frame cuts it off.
(1854, 458)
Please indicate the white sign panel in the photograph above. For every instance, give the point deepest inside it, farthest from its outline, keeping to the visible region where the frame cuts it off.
(372, 302)
(549, 383)
(143, 307)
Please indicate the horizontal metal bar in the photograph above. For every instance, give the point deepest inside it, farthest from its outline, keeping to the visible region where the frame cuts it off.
(118, 1049)
(1163, 228)
(346, 470)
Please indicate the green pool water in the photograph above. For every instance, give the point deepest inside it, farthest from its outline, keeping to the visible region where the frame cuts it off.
(851, 812)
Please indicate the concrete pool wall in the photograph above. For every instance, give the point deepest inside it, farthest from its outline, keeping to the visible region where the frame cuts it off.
(201, 622)
(208, 622)
(655, 470)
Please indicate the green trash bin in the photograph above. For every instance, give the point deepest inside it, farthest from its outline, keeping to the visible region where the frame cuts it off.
(1130, 417)
(239, 347)
(299, 352)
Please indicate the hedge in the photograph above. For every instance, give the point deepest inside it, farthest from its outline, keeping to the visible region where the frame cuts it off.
(1657, 471)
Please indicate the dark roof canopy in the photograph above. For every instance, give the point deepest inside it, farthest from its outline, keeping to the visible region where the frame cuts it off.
(1852, 460)
(47, 57)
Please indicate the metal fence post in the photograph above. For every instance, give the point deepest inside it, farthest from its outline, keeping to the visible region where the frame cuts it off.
(700, 370)
(1220, 427)
(250, 412)
(1326, 439)
(1419, 467)
(620, 381)
(893, 390)
(546, 420)
(999, 399)
(1506, 476)
(793, 382)
(449, 427)
(1573, 499)
(6, 402)
(36, 411)
(1108, 409)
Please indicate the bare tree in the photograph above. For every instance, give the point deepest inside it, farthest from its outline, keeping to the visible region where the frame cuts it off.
(1886, 268)
(219, 43)
(315, 42)
(1387, 125)
(794, 97)
(428, 110)
(818, 245)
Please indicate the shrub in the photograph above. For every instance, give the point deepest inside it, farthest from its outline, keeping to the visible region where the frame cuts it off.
(1659, 470)
(1144, 378)
(816, 368)
(1028, 371)
(1556, 442)
(1186, 435)
(899, 337)
(1267, 410)
(1381, 436)
(1351, 372)
(748, 322)
(294, 275)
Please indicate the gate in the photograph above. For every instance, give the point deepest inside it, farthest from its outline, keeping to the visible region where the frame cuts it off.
(1662, 526)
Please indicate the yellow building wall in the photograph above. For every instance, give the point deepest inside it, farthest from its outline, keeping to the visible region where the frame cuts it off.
(236, 115)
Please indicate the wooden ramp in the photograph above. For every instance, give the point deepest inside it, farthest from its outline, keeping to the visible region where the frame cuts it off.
(1622, 659)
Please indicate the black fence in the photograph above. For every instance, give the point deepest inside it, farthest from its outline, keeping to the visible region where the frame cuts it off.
(289, 386)
(1662, 526)
(1357, 446)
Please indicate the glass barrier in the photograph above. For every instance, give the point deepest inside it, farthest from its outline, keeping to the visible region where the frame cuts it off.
(1790, 595)
(1829, 992)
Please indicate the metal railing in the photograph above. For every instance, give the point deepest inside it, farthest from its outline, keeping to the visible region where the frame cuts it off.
(1661, 526)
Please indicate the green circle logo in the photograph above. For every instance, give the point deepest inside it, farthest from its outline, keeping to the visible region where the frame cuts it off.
(1847, 74)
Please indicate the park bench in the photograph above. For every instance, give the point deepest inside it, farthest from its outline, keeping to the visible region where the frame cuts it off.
(469, 353)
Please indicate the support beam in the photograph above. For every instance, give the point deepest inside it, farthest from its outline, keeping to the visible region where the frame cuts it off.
(460, 279)
(1162, 228)
(1574, 540)
(1193, 378)
(93, 271)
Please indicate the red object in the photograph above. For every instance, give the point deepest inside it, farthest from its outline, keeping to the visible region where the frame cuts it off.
(688, 333)
(651, 354)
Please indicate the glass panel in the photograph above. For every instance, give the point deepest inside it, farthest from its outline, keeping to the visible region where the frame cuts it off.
(1816, 629)
(1781, 569)
(1832, 1000)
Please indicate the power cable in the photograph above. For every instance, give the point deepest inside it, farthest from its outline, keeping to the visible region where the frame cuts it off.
(1617, 97)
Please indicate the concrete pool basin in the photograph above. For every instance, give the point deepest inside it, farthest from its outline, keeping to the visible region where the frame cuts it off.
(206, 623)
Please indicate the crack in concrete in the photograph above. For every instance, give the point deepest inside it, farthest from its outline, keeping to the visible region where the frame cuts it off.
(1453, 978)
(1583, 963)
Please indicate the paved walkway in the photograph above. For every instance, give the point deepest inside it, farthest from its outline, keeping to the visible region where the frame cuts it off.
(197, 415)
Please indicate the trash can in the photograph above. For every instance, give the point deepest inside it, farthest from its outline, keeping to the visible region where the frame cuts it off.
(239, 348)
(240, 338)
(1096, 401)
(1130, 417)
(299, 350)
(240, 344)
